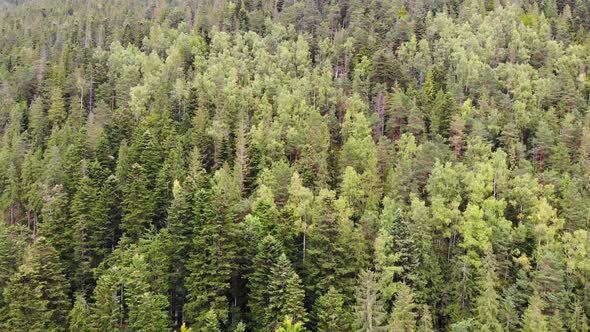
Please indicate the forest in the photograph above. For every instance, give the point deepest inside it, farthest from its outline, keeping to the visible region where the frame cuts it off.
(294, 165)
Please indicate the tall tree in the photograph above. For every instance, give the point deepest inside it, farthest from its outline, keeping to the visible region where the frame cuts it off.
(368, 310)
(268, 252)
(285, 293)
(208, 284)
(330, 313)
(403, 317)
(533, 319)
(180, 218)
(487, 303)
(79, 316)
(38, 291)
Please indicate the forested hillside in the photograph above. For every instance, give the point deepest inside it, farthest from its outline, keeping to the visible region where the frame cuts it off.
(295, 165)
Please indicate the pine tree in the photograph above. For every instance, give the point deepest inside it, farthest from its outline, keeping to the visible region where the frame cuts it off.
(533, 319)
(38, 291)
(147, 153)
(425, 322)
(264, 208)
(93, 211)
(128, 290)
(396, 249)
(107, 309)
(180, 230)
(57, 112)
(403, 317)
(148, 313)
(335, 248)
(487, 304)
(138, 203)
(38, 123)
(285, 294)
(12, 249)
(57, 227)
(208, 284)
(330, 314)
(107, 210)
(289, 326)
(211, 322)
(79, 317)
(369, 309)
(269, 250)
(83, 219)
(74, 161)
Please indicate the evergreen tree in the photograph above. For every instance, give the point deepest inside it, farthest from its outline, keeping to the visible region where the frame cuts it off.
(83, 220)
(396, 250)
(12, 249)
(138, 204)
(269, 250)
(425, 322)
(368, 309)
(38, 291)
(332, 258)
(147, 313)
(38, 123)
(533, 319)
(330, 314)
(487, 304)
(57, 227)
(285, 294)
(79, 319)
(289, 326)
(180, 230)
(208, 283)
(107, 309)
(57, 112)
(403, 317)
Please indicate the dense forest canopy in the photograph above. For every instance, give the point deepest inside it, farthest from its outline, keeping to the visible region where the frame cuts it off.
(295, 165)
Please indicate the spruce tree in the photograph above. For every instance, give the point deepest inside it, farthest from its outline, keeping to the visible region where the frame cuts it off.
(369, 312)
(285, 293)
(288, 325)
(79, 317)
(425, 322)
(180, 231)
(107, 309)
(83, 220)
(330, 314)
(403, 317)
(57, 112)
(12, 248)
(38, 291)
(334, 250)
(138, 203)
(268, 252)
(57, 227)
(487, 305)
(147, 313)
(533, 319)
(208, 283)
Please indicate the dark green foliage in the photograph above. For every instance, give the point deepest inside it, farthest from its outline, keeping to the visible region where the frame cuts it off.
(208, 284)
(138, 203)
(180, 230)
(285, 295)
(268, 253)
(79, 318)
(333, 258)
(38, 291)
(330, 313)
(236, 165)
